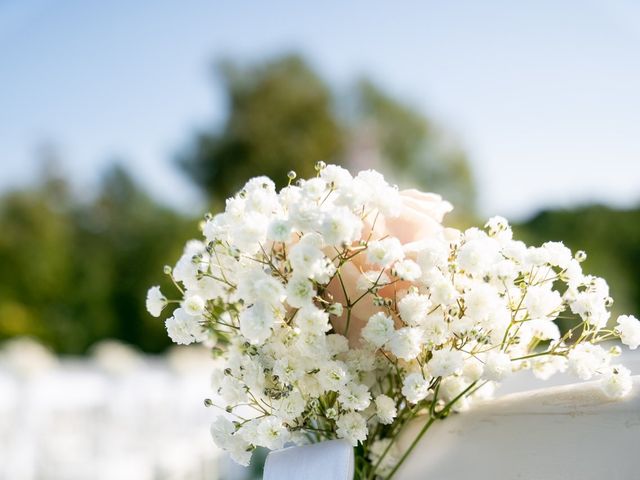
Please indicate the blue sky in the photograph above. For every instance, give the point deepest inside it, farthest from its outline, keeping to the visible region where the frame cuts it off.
(544, 96)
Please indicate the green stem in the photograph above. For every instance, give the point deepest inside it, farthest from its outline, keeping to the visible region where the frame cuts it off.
(412, 446)
(432, 418)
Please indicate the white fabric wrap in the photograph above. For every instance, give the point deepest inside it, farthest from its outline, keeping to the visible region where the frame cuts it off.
(332, 460)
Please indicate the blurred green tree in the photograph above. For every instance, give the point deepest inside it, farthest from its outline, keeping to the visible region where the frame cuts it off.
(74, 273)
(408, 147)
(280, 118)
(36, 254)
(611, 239)
(130, 237)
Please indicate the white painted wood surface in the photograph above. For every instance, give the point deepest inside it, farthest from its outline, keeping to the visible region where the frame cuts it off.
(565, 432)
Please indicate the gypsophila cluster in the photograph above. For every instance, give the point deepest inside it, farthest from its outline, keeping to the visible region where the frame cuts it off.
(341, 307)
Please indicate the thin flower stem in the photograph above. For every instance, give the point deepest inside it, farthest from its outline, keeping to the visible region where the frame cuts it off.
(432, 419)
(412, 446)
(539, 354)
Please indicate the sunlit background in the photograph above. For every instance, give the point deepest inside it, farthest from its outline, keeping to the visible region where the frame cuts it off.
(121, 123)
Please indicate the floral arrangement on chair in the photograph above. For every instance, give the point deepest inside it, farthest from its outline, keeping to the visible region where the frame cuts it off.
(341, 307)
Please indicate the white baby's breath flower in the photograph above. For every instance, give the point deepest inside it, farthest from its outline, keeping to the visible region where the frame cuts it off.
(482, 301)
(378, 330)
(314, 188)
(221, 431)
(545, 367)
(156, 301)
(355, 397)
(405, 343)
(443, 293)
(279, 230)
(271, 433)
(558, 255)
(300, 292)
(377, 192)
(585, 360)
(590, 305)
(291, 406)
(352, 427)
(305, 216)
(256, 322)
(336, 176)
(257, 285)
(435, 329)
(543, 329)
(407, 270)
(312, 319)
(341, 227)
(280, 271)
(629, 329)
(472, 369)
(232, 390)
(497, 225)
(183, 328)
(186, 270)
(477, 255)
(415, 387)
(337, 344)
(310, 386)
(332, 375)
(385, 409)
(542, 302)
(450, 388)
(251, 233)
(432, 253)
(194, 305)
(497, 366)
(223, 434)
(616, 382)
(335, 309)
(414, 308)
(287, 369)
(445, 362)
(385, 252)
(504, 271)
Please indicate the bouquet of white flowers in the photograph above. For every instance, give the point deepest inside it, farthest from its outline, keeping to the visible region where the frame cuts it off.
(340, 307)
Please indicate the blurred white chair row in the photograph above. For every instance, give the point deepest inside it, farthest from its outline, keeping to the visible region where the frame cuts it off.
(116, 415)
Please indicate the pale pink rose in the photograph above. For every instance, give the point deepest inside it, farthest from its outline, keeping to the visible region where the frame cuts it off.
(420, 218)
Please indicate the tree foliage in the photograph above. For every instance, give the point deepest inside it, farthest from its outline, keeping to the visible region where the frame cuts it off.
(283, 116)
(412, 150)
(280, 118)
(610, 237)
(73, 273)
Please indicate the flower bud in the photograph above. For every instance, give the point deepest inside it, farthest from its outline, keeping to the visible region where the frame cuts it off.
(335, 309)
(615, 351)
(581, 255)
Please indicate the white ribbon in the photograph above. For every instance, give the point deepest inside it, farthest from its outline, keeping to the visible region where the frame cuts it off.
(332, 460)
